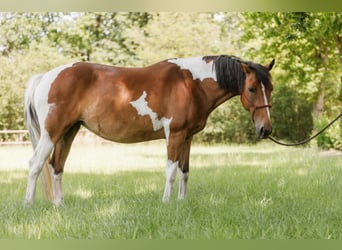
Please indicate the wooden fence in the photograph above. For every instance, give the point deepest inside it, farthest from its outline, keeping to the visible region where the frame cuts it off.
(14, 137)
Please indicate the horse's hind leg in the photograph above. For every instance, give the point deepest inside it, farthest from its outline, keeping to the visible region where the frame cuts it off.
(184, 169)
(57, 162)
(41, 154)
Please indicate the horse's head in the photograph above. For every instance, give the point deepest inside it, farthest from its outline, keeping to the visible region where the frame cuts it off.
(255, 96)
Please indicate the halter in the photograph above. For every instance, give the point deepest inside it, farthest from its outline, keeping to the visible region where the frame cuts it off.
(254, 106)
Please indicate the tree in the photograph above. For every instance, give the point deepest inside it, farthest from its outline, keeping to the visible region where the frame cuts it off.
(180, 34)
(19, 30)
(308, 49)
(15, 70)
(97, 37)
(23, 52)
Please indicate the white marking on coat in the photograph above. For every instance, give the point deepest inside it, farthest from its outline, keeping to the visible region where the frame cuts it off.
(171, 172)
(143, 109)
(57, 186)
(265, 100)
(198, 67)
(29, 102)
(42, 92)
(166, 124)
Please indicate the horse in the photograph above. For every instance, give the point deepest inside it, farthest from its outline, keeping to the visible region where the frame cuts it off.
(169, 100)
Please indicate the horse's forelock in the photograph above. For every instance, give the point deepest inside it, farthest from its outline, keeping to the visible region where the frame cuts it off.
(262, 74)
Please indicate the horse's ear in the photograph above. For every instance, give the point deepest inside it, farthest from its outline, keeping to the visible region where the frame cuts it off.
(245, 68)
(270, 66)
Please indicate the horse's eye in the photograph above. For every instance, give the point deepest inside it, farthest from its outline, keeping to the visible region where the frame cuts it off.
(252, 90)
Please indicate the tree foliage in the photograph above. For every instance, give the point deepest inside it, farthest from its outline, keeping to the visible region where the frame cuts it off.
(180, 34)
(308, 52)
(308, 49)
(291, 115)
(97, 37)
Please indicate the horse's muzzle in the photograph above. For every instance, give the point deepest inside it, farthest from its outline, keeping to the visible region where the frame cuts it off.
(264, 131)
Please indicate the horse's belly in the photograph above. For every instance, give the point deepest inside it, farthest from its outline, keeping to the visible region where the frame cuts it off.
(126, 132)
(127, 122)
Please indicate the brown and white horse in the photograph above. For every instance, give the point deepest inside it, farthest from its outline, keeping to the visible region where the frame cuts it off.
(171, 99)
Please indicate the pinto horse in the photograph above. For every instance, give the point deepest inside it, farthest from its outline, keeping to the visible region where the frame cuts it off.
(171, 99)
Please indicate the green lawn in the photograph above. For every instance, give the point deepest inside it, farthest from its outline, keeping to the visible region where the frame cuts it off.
(234, 192)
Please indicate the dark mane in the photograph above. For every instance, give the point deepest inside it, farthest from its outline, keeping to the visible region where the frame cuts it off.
(230, 75)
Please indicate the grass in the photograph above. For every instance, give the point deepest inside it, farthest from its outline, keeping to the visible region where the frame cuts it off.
(234, 192)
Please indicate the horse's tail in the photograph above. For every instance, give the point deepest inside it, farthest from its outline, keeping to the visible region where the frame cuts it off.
(32, 123)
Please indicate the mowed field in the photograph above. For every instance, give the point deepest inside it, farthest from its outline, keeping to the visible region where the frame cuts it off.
(114, 191)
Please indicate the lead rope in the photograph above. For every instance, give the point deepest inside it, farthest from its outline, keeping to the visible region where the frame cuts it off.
(308, 139)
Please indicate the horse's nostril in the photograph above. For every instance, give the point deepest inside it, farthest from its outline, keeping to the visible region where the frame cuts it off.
(264, 133)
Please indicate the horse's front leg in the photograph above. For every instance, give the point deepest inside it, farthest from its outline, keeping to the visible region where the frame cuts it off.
(177, 158)
(171, 172)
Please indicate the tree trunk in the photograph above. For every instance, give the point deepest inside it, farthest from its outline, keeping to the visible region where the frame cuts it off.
(319, 106)
(339, 46)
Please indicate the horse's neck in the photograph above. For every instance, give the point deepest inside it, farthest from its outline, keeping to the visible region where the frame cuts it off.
(216, 95)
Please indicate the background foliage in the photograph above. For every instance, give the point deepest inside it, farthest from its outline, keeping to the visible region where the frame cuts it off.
(307, 48)
(308, 76)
